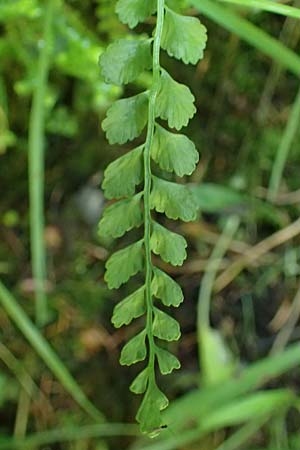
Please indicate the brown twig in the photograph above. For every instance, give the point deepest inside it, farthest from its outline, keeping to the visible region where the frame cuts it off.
(256, 252)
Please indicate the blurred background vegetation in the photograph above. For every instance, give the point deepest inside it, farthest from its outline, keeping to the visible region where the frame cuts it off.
(239, 383)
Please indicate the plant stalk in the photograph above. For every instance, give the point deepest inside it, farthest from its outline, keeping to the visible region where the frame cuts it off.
(36, 170)
(147, 180)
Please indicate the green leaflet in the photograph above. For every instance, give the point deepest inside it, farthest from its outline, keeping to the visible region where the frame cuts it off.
(121, 217)
(135, 350)
(175, 200)
(125, 60)
(170, 246)
(165, 327)
(126, 119)
(184, 37)
(166, 361)
(166, 289)
(124, 264)
(174, 152)
(123, 175)
(175, 102)
(132, 12)
(148, 414)
(130, 308)
(139, 384)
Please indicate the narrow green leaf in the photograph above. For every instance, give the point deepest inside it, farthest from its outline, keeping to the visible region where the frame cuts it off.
(130, 308)
(132, 12)
(170, 246)
(135, 350)
(252, 34)
(184, 37)
(217, 361)
(123, 175)
(166, 289)
(165, 327)
(121, 217)
(45, 351)
(125, 60)
(166, 361)
(268, 5)
(175, 200)
(124, 264)
(139, 384)
(175, 102)
(126, 119)
(174, 152)
(148, 414)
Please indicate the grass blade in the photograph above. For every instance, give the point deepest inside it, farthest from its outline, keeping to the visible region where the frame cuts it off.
(45, 351)
(287, 140)
(69, 434)
(268, 5)
(250, 33)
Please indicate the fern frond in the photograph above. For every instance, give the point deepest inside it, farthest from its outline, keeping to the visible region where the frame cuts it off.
(167, 99)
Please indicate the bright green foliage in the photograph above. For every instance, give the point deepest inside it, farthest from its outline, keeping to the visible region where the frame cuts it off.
(175, 102)
(126, 119)
(123, 175)
(135, 350)
(166, 361)
(174, 152)
(170, 246)
(121, 217)
(175, 200)
(130, 308)
(132, 12)
(139, 384)
(165, 327)
(166, 289)
(129, 58)
(185, 38)
(153, 402)
(124, 264)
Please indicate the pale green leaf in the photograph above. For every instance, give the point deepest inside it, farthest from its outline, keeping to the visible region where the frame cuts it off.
(130, 308)
(135, 350)
(175, 102)
(148, 414)
(166, 361)
(217, 361)
(124, 60)
(132, 12)
(139, 384)
(170, 246)
(165, 327)
(166, 289)
(175, 200)
(184, 37)
(123, 175)
(126, 119)
(174, 152)
(121, 217)
(124, 264)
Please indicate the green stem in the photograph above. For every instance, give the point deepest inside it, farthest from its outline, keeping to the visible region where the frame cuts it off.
(284, 148)
(147, 180)
(36, 170)
(207, 283)
(45, 351)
